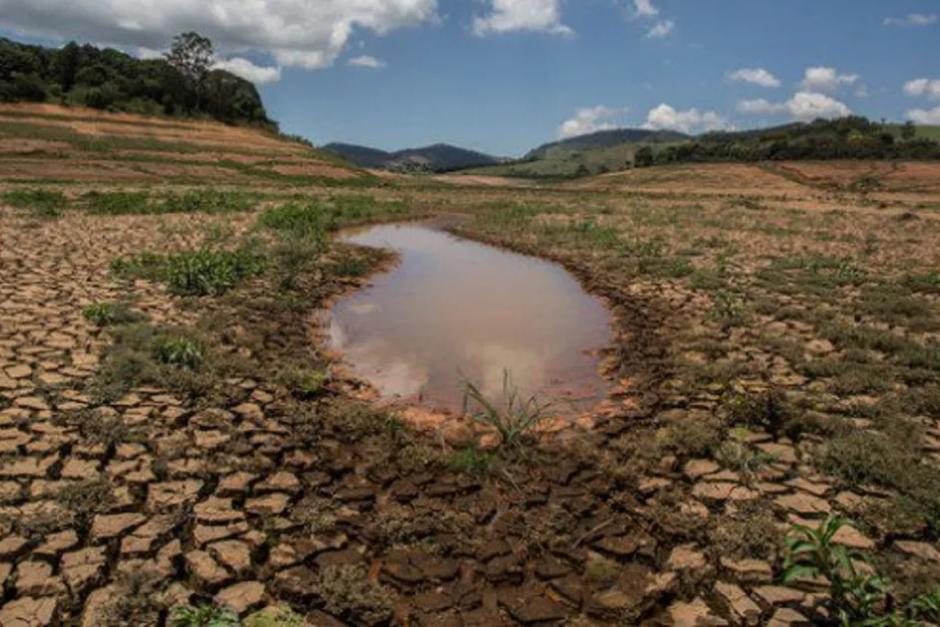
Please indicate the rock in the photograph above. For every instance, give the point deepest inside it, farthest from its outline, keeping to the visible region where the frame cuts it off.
(30, 612)
(820, 347)
(804, 504)
(217, 511)
(35, 579)
(242, 596)
(693, 614)
(80, 569)
(205, 569)
(528, 607)
(272, 504)
(56, 543)
(918, 549)
(233, 554)
(749, 570)
(685, 557)
(779, 595)
(698, 468)
(105, 527)
(279, 482)
(11, 546)
(172, 494)
(738, 603)
(787, 617)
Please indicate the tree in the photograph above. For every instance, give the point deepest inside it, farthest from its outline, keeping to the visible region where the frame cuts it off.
(191, 55)
(643, 157)
(908, 131)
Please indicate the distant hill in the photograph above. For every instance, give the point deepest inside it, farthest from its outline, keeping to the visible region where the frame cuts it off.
(434, 158)
(607, 139)
(584, 155)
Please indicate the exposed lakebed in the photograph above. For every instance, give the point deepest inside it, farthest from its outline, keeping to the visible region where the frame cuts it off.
(452, 310)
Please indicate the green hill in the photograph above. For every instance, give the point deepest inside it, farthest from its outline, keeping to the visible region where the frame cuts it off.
(107, 79)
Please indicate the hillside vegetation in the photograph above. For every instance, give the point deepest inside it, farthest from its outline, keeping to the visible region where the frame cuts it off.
(83, 75)
(69, 145)
(434, 158)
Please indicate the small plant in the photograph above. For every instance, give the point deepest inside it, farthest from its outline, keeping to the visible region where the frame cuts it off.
(856, 597)
(767, 410)
(211, 273)
(179, 351)
(274, 617)
(857, 594)
(347, 591)
(203, 616)
(146, 265)
(106, 314)
(727, 308)
(470, 461)
(514, 420)
(304, 382)
(44, 203)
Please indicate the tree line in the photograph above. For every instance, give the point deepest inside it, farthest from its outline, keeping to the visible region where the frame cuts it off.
(851, 137)
(182, 83)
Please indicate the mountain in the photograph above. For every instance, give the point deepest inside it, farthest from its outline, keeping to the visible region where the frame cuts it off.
(585, 155)
(434, 158)
(608, 139)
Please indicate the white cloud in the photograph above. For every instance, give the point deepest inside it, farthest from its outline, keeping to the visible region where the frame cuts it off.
(297, 33)
(665, 117)
(803, 106)
(368, 62)
(912, 19)
(249, 71)
(525, 15)
(924, 116)
(923, 87)
(589, 120)
(756, 76)
(644, 8)
(662, 29)
(826, 79)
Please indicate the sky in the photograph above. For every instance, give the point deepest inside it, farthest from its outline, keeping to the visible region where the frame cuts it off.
(503, 76)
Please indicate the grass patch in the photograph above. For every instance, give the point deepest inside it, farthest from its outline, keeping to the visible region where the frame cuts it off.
(203, 272)
(42, 203)
(194, 201)
(105, 314)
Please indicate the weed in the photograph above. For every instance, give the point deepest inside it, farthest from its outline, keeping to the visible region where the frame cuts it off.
(727, 308)
(470, 461)
(274, 617)
(211, 273)
(929, 282)
(146, 265)
(743, 459)
(105, 314)
(690, 438)
(178, 351)
(84, 499)
(43, 203)
(767, 410)
(514, 419)
(751, 532)
(203, 616)
(303, 382)
(349, 266)
(347, 591)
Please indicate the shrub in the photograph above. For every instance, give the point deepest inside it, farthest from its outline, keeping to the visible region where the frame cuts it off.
(767, 410)
(178, 351)
(211, 273)
(348, 592)
(105, 314)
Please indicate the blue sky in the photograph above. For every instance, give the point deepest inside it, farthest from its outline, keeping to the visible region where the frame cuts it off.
(505, 75)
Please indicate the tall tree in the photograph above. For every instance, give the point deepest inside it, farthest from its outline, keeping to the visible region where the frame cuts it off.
(191, 55)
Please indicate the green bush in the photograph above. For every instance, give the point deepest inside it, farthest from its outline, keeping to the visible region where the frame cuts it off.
(178, 351)
(211, 273)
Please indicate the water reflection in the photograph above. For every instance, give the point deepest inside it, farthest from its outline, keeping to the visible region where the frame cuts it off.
(453, 308)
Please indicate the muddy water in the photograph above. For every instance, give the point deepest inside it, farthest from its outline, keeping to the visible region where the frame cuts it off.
(454, 309)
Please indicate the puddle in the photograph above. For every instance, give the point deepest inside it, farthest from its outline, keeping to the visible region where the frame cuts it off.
(453, 309)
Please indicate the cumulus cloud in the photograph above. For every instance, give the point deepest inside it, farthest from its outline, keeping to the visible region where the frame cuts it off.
(367, 61)
(644, 8)
(826, 79)
(294, 32)
(923, 87)
(756, 76)
(257, 74)
(912, 19)
(661, 29)
(524, 15)
(803, 106)
(590, 120)
(924, 116)
(665, 117)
